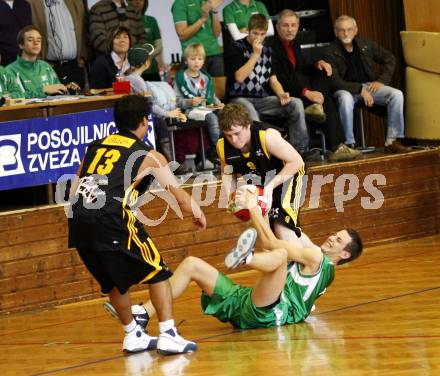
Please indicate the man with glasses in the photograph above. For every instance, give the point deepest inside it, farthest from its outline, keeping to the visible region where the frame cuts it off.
(355, 81)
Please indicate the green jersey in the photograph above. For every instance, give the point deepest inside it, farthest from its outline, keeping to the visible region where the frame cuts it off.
(232, 303)
(190, 11)
(31, 76)
(8, 87)
(153, 34)
(238, 13)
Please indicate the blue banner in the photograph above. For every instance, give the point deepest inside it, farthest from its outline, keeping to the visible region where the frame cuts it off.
(38, 151)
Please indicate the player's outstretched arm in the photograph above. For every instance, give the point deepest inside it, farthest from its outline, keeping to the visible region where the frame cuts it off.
(156, 164)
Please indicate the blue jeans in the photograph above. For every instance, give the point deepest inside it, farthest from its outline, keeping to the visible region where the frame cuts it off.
(211, 120)
(293, 112)
(386, 96)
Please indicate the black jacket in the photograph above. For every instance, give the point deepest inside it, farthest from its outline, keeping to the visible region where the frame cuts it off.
(103, 72)
(292, 80)
(370, 53)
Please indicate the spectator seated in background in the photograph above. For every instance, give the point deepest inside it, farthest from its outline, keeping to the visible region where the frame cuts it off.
(139, 57)
(197, 21)
(356, 81)
(236, 17)
(105, 68)
(196, 88)
(310, 82)
(8, 87)
(14, 16)
(35, 77)
(251, 82)
(153, 37)
(63, 28)
(107, 15)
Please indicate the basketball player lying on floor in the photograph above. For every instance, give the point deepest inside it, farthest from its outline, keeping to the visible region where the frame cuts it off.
(292, 278)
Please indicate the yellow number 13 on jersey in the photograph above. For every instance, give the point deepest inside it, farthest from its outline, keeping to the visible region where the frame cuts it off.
(110, 157)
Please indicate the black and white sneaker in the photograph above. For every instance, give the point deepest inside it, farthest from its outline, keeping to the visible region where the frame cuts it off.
(140, 314)
(170, 343)
(243, 251)
(137, 340)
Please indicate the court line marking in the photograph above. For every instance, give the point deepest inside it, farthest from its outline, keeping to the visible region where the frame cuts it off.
(206, 339)
(378, 300)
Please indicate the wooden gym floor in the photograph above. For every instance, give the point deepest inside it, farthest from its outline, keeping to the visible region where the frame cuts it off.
(381, 316)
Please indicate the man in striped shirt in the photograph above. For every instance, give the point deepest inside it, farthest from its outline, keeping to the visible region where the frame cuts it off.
(106, 15)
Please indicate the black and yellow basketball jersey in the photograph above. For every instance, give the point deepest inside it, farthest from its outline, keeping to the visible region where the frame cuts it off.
(258, 162)
(107, 193)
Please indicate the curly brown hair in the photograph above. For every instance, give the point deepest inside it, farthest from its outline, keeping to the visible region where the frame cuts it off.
(233, 114)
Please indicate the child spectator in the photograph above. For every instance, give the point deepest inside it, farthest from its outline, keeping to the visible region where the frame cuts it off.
(196, 87)
(139, 59)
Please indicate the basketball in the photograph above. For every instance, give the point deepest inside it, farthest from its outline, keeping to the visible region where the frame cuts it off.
(243, 214)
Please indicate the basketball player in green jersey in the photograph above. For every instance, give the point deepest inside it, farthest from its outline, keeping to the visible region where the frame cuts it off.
(292, 278)
(263, 157)
(105, 228)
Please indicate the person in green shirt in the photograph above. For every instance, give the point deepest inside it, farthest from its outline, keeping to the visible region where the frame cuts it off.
(8, 87)
(291, 280)
(197, 21)
(153, 37)
(35, 77)
(236, 17)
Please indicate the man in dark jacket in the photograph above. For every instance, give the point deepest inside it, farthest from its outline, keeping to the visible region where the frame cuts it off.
(355, 80)
(310, 82)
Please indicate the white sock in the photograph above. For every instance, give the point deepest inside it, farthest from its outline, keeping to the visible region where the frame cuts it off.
(166, 325)
(130, 327)
(389, 141)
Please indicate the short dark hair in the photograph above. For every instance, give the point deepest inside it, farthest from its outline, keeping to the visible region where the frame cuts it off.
(116, 32)
(233, 114)
(22, 32)
(130, 110)
(258, 22)
(355, 247)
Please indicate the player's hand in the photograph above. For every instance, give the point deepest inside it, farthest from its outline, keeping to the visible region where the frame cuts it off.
(374, 86)
(368, 98)
(268, 195)
(323, 65)
(246, 197)
(200, 223)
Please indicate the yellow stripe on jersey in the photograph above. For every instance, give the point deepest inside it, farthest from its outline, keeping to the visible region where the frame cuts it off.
(118, 140)
(221, 150)
(293, 209)
(148, 250)
(262, 135)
